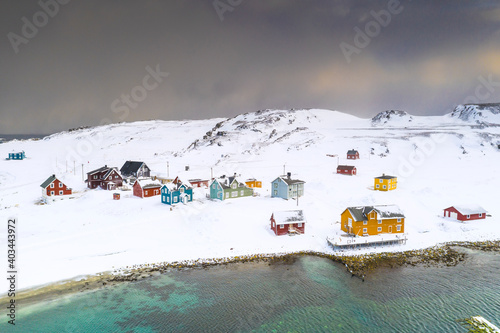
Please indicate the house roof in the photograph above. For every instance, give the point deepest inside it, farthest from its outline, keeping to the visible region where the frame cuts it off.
(469, 209)
(290, 181)
(98, 170)
(175, 187)
(148, 183)
(289, 216)
(352, 152)
(48, 181)
(385, 177)
(130, 166)
(383, 211)
(197, 180)
(109, 171)
(346, 167)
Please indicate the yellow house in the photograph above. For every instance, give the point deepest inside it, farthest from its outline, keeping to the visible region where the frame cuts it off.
(372, 220)
(385, 183)
(253, 183)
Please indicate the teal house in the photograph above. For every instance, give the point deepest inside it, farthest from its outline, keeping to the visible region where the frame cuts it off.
(172, 194)
(228, 188)
(17, 156)
(287, 188)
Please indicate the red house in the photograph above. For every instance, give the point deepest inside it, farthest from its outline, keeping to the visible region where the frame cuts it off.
(290, 222)
(146, 188)
(346, 170)
(53, 187)
(199, 182)
(107, 178)
(465, 213)
(352, 154)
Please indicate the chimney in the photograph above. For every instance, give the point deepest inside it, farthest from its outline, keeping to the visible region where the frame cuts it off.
(288, 175)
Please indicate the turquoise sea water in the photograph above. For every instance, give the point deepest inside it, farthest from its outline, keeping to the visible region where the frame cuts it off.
(310, 295)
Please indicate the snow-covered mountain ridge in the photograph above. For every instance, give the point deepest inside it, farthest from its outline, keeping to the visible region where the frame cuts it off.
(439, 161)
(481, 113)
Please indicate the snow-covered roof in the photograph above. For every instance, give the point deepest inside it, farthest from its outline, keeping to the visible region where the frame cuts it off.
(385, 177)
(383, 212)
(346, 167)
(469, 209)
(352, 152)
(148, 183)
(290, 181)
(289, 216)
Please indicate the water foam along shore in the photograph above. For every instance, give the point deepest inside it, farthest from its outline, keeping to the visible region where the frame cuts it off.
(448, 254)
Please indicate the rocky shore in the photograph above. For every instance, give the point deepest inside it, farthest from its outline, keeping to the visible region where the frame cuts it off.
(448, 254)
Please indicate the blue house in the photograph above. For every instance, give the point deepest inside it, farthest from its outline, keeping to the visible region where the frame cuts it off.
(285, 187)
(172, 194)
(17, 156)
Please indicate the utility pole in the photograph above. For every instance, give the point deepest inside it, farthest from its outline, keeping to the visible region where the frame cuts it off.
(211, 173)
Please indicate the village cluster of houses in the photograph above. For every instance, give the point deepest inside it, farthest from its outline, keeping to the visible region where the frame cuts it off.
(355, 221)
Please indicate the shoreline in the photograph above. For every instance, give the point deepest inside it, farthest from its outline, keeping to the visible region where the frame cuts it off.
(357, 265)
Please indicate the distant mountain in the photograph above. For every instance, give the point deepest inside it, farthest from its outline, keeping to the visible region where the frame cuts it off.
(391, 116)
(480, 113)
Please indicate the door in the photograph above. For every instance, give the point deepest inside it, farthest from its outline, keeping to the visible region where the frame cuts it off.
(453, 215)
(390, 229)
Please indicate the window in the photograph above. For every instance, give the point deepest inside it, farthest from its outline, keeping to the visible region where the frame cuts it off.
(51, 192)
(399, 220)
(168, 199)
(59, 185)
(299, 225)
(384, 187)
(380, 180)
(227, 195)
(275, 192)
(378, 186)
(274, 224)
(181, 189)
(379, 221)
(242, 193)
(282, 226)
(480, 214)
(365, 222)
(275, 185)
(398, 228)
(52, 185)
(234, 194)
(379, 229)
(60, 192)
(176, 199)
(234, 186)
(468, 217)
(364, 230)
(214, 186)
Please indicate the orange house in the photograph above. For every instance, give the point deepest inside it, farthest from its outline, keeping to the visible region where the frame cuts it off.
(253, 183)
(385, 183)
(372, 220)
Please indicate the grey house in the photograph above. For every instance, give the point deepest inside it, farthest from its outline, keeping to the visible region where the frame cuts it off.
(135, 169)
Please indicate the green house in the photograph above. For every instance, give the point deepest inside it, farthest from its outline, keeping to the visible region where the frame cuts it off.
(228, 188)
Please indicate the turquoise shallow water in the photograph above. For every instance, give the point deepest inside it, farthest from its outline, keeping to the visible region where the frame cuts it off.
(310, 295)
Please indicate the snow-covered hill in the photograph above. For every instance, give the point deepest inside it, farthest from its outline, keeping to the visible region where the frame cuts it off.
(479, 113)
(439, 161)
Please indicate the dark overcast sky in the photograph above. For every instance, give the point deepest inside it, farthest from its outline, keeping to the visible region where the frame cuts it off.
(76, 68)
